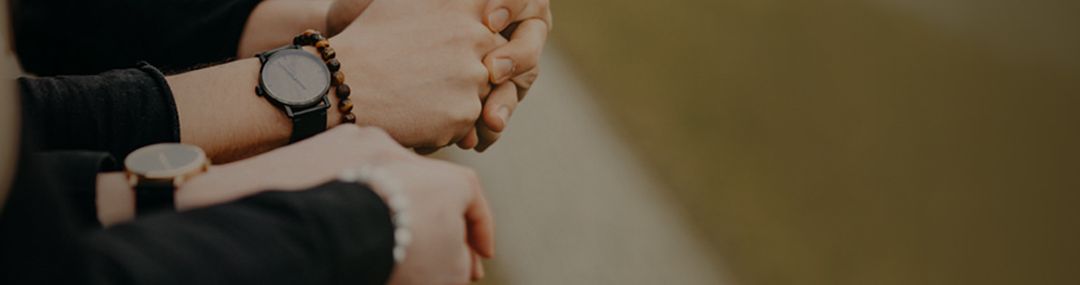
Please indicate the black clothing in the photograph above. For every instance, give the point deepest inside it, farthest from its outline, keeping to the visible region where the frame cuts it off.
(64, 37)
(78, 171)
(49, 233)
(117, 111)
(338, 233)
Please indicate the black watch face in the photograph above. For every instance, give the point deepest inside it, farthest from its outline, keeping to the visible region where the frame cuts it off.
(295, 77)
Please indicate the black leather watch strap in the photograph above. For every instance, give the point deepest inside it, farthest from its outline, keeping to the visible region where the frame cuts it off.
(308, 124)
(307, 120)
(153, 196)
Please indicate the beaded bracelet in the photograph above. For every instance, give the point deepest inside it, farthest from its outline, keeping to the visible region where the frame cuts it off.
(337, 78)
(395, 200)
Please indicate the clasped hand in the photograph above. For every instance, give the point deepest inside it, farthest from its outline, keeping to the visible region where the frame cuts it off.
(438, 72)
(430, 73)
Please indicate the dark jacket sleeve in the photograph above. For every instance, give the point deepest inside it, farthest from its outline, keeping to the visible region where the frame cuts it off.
(338, 233)
(117, 111)
(76, 173)
(57, 37)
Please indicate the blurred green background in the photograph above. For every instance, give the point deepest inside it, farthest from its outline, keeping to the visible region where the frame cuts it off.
(852, 142)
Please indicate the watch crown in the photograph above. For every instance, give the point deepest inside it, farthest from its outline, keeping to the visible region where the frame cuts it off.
(259, 91)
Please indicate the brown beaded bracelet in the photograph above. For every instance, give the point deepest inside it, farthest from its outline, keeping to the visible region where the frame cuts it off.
(337, 78)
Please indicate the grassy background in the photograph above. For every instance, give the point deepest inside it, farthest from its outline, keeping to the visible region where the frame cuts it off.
(853, 142)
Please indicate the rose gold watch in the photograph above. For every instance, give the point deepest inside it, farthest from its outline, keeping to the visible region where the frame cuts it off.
(155, 171)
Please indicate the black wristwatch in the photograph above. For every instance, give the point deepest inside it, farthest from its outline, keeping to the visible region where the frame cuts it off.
(297, 82)
(156, 171)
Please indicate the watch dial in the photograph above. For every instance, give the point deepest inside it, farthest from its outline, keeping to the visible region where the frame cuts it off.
(163, 158)
(295, 77)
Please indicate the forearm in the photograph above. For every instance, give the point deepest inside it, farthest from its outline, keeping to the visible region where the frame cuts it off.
(217, 106)
(274, 23)
(220, 112)
(295, 167)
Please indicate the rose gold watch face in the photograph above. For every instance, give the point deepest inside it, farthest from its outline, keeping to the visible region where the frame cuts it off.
(165, 160)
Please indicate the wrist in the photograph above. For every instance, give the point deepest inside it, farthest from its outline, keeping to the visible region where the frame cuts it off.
(396, 200)
(115, 199)
(333, 114)
(220, 184)
(349, 67)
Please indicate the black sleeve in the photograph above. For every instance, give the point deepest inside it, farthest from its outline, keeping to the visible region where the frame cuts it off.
(338, 233)
(117, 111)
(54, 37)
(76, 173)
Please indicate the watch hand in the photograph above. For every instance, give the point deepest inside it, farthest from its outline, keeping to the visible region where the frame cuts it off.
(164, 161)
(293, 76)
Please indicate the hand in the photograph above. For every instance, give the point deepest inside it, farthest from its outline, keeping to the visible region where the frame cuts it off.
(439, 196)
(415, 68)
(450, 221)
(526, 23)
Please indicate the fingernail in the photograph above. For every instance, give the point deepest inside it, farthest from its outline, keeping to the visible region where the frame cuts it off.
(504, 113)
(504, 67)
(498, 19)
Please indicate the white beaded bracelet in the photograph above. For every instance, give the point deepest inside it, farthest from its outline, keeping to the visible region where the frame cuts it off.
(396, 200)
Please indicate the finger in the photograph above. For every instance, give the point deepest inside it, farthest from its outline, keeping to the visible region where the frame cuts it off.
(550, 20)
(480, 224)
(486, 136)
(525, 81)
(477, 267)
(470, 141)
(499, 107)
(521, 55)
(495, 117)
(500, 13)
(485, 88)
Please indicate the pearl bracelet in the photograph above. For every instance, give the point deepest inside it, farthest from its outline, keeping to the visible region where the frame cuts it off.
(396, 200)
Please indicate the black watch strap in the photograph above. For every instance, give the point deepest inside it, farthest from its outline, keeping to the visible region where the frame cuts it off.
(308, 124)
(153, 196)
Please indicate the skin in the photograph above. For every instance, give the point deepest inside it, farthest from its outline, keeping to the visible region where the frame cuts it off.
(508, 63)
(235, 124)
(528, 24)
(394, 62)
(525, 23)
(9, 138)
(451, 223)
(445, 246)
(392, 56)
(9, 112)
(415, 68)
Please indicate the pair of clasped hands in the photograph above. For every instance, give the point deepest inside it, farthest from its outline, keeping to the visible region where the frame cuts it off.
(427, 74)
